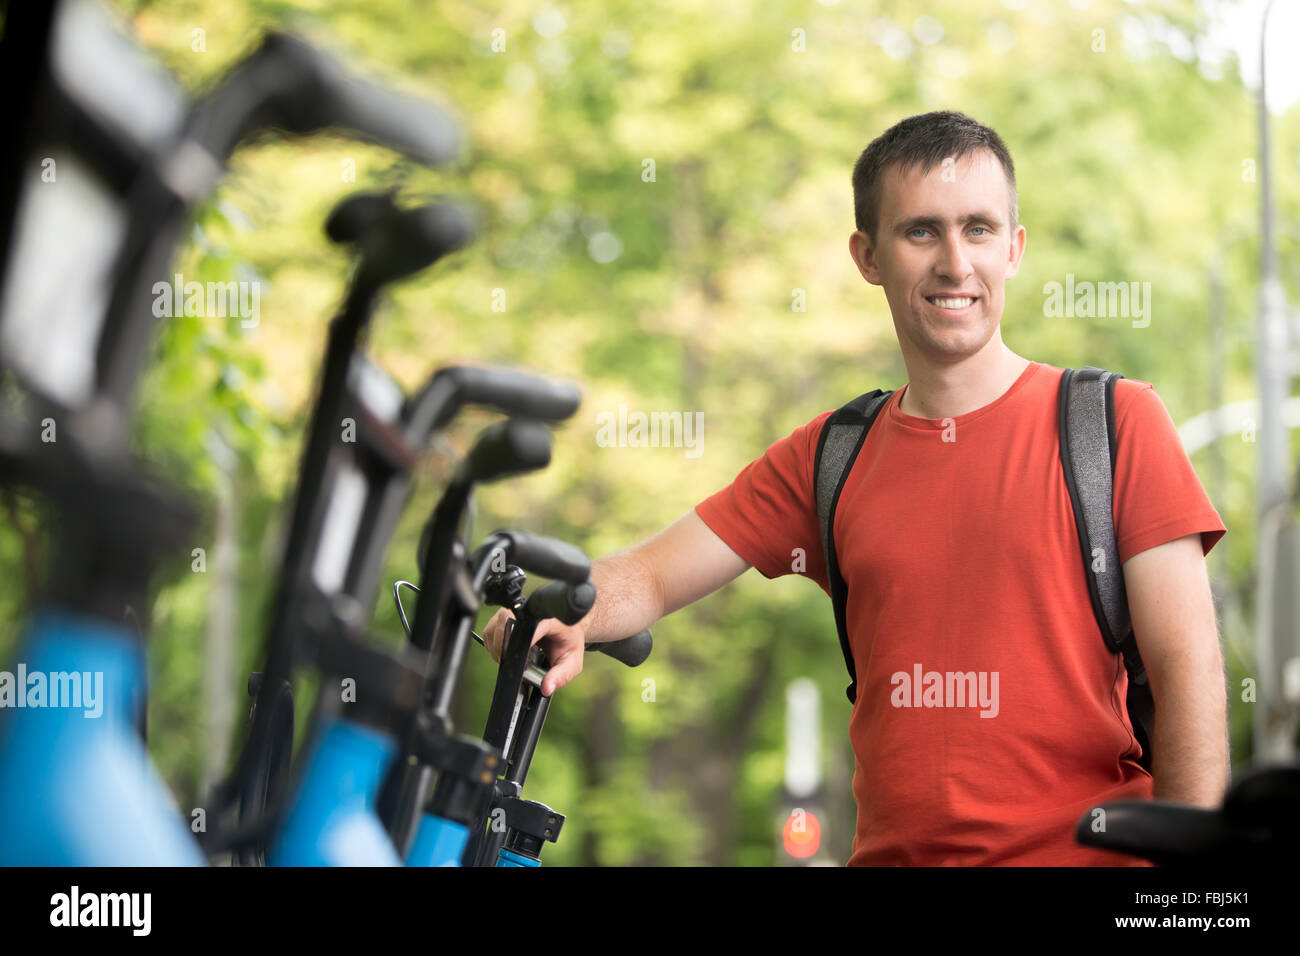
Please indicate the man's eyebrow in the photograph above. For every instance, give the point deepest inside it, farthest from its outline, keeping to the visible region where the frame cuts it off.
(933, 222)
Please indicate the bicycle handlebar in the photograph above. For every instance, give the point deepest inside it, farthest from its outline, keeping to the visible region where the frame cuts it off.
(1256, 824)
(537, 554)
(288, 84)
(1158, 830)
(285, 83)
(510, 447)
(400, 242)
(567, 603)
(631, 651)
(505, 389)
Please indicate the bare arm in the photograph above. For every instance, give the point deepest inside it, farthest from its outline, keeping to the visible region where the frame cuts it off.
(634, 588)
(1174, 620)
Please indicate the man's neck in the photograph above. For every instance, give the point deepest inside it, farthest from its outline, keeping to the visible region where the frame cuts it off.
(950, 391)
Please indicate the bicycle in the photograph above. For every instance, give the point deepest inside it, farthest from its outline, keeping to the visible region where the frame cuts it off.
(117, 519)
(1257, 824)
(346, 507)
(471, 788)
(350, 495)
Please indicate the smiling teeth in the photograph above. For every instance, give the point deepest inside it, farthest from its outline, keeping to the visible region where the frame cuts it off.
(952, 303)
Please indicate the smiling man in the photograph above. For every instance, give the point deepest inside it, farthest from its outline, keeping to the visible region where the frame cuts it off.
(940, 232)
(958, 544)
(955, 535)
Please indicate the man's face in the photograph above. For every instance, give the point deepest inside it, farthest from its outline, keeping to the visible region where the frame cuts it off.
(944, 249)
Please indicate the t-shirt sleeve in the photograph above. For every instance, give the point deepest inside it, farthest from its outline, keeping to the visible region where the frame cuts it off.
(1158, 496)
(768, 514)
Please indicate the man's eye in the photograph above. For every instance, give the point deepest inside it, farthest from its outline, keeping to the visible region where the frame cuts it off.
(916, 230)
(981, 228)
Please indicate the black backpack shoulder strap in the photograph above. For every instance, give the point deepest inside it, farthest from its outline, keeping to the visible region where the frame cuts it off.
(1087, 438)
(837, 448)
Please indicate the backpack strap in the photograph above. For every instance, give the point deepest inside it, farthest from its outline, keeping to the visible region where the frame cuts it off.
(841, 440)
(1087, 447)
(1087, 436)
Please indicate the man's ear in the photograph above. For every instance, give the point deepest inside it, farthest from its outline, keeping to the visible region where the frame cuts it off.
(1016, 252)
(864, 256)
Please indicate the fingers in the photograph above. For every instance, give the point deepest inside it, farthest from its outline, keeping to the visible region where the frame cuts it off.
(548, 626)
(494, 633)
(564, 652)
(564, 647)
(565, 667)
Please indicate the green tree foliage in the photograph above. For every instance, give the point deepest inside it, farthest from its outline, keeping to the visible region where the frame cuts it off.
(665, 210)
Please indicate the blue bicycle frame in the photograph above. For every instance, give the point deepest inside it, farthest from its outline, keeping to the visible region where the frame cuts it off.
(438, 842)
(77, 787)
(333, 820)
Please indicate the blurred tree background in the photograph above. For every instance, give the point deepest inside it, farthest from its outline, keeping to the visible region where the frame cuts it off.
(657, 183)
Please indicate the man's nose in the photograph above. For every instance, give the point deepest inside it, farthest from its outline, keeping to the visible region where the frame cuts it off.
(952, 263)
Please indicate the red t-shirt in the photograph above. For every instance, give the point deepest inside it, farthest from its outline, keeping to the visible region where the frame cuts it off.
(958, 544)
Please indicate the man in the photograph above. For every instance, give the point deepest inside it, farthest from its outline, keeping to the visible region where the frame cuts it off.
(955, 535)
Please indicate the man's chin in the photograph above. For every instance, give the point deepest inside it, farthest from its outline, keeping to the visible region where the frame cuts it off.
(951, 349)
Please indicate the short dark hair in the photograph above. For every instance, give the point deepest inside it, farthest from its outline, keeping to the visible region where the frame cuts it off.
(925, 140)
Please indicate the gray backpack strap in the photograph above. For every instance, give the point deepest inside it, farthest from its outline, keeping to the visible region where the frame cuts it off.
(1087, 437)
(1088, 459)
(837, 448)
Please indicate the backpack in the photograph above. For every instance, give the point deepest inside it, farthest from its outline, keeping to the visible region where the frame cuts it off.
(1087, 445)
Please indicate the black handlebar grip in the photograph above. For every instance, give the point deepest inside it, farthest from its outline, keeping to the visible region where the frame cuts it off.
(516, 393)
(397, 120)
(290, 84)
(568, 603)
(548, 557)
(404, 241)
(631, 651)
(354, 216)
(511, 447)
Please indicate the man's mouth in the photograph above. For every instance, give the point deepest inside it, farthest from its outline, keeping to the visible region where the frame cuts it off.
(952, 304)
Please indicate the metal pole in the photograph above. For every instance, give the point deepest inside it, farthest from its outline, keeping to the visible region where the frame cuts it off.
(1274, 387)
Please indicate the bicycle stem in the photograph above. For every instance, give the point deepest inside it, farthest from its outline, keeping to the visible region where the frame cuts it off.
(406, 793)
(292, 587)
(284, 83)
(517, 703)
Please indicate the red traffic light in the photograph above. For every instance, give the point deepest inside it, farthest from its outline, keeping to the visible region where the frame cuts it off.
(802, 834)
